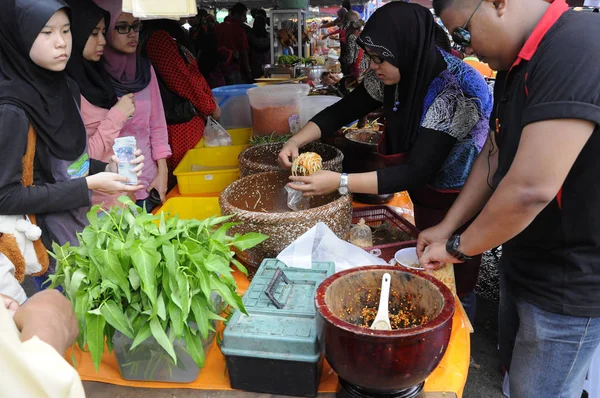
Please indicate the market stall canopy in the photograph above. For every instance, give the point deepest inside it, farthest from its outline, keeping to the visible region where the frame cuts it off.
(152, 9)
(273, 3)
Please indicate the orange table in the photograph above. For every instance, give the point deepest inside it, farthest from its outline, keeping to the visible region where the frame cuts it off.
(449, 376)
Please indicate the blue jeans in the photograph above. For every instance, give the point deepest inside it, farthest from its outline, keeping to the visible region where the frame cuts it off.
(469, 303)
(550, 353)
(42, 283)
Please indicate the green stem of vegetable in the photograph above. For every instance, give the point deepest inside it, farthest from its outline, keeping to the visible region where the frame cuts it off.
(115, 224)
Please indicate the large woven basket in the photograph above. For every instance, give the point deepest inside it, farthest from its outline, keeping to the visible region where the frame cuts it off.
(261, 158)
(259, 202)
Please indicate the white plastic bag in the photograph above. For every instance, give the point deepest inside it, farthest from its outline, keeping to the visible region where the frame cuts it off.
(320, 244)
(215, 134)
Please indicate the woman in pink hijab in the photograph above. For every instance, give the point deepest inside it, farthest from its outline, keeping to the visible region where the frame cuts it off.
(132, 74)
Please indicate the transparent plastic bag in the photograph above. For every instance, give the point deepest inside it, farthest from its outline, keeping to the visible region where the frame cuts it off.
(361, 235)
(215, 134)
(295, 200)
(124, 148)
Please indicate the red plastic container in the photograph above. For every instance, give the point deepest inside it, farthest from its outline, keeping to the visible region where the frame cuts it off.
(374, 216)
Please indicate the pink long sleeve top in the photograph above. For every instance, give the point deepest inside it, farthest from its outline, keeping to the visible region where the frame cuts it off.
(103, 126)
(148, 126)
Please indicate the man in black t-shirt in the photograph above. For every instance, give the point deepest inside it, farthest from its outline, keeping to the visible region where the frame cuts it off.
(535, 187)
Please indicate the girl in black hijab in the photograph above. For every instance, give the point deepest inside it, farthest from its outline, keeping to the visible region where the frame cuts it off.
(436, 111)
(37, 99)
(93, 81)
(103, 114)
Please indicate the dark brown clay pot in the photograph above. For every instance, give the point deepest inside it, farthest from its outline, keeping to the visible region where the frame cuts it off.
(382, 361)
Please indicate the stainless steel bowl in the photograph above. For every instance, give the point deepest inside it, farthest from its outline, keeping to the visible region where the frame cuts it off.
(313, 73)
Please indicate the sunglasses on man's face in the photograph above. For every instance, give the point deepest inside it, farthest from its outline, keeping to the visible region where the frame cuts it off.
(460, 35)
(125, 29)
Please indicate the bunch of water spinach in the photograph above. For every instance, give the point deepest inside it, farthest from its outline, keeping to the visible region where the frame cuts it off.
(149, 275)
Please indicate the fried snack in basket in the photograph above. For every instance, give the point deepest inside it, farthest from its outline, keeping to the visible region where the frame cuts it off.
(446, 276)
(306, 164)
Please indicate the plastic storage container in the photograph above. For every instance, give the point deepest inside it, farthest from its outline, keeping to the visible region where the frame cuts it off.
(235, 108)
(276, 108)
(275, 350)
(376, 216)
(192, 207)
(333, 64)
(207, 170)
(310, 106)
(239, 137)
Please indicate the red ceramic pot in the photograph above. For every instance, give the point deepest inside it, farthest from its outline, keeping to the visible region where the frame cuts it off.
(382, 361)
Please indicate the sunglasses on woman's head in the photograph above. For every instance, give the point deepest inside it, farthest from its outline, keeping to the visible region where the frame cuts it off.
(461, 36)
(125, 29)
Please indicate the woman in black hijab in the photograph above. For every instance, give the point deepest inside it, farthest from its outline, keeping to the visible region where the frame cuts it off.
(37, 99)
(436, 110)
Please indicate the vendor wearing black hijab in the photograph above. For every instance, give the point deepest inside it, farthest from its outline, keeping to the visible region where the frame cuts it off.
(436, 110)
(37, 98)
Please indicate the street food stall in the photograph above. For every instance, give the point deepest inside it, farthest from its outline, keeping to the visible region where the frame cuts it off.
(218, 291)
(234, 359)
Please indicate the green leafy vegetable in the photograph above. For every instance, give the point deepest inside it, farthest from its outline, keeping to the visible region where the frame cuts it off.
(269, 139)
(150, 276)
(287, 59)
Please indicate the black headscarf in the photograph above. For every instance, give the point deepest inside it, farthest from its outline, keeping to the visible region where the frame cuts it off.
(404, 35)
(45, 96)
(91, 77)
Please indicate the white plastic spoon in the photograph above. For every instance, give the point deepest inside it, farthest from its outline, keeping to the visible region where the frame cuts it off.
(382, 320)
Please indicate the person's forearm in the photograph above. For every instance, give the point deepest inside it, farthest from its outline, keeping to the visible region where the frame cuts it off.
(47, 332)
(476, 191)
(161, 164)
(363, 182)
(309, 133)
(508, 212)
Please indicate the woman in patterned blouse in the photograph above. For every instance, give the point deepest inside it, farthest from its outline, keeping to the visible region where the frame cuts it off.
(436, 109)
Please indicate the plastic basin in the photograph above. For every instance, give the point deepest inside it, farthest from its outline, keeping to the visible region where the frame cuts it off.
(235, 108)
(276, 108)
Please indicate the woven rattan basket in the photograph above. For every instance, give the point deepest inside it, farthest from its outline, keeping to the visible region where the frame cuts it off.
(259, 202)
(261, 158)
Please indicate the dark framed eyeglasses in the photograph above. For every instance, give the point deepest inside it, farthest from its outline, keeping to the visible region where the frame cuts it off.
(374, 58)
(461, 36)
(125, 29)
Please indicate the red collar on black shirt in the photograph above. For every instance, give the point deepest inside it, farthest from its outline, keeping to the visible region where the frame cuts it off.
(553, 13)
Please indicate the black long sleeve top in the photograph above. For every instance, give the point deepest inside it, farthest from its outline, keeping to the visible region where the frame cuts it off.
(46, 195)
(426, 157)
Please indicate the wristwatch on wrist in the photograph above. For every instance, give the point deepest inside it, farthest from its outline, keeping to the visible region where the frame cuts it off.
(343, 188)
(452, 248)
